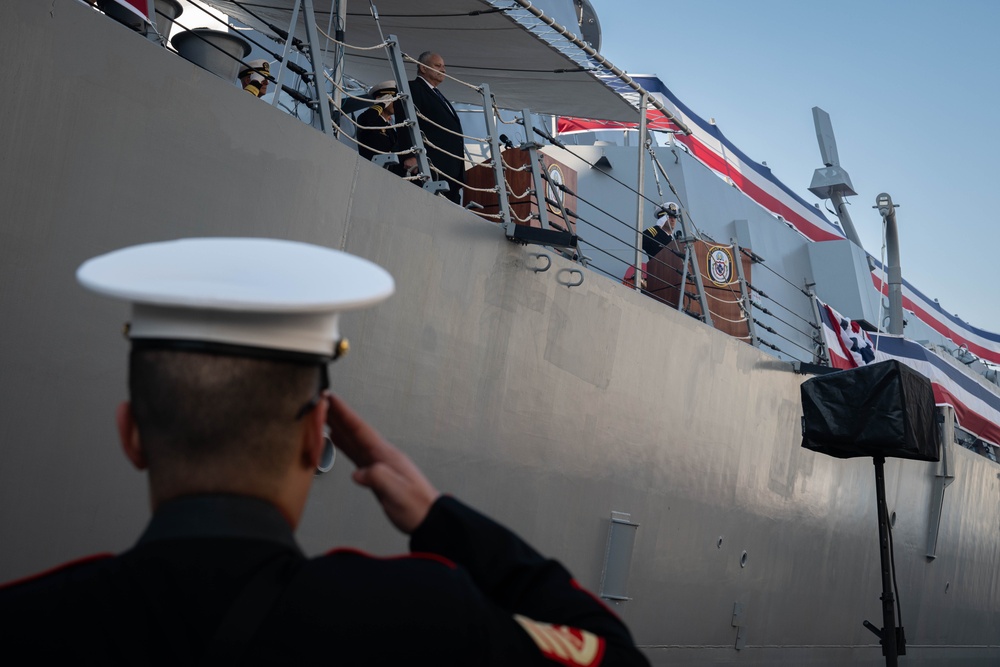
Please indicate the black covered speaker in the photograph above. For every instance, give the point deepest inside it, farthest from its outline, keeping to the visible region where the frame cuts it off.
(884, 409)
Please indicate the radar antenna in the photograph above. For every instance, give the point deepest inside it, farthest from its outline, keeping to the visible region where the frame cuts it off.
(831, 181)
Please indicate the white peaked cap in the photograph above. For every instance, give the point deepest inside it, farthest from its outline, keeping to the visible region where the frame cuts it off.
(266, 294)
(385, 85)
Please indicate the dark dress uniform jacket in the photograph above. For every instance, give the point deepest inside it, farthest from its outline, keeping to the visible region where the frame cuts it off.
(220, 580)
(382, 138)
(439, 110)
(655, 239)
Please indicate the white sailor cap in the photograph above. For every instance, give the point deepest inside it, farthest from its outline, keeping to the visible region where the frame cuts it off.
(387, 87)
(259, 66)
(243, 296)
(667, 208)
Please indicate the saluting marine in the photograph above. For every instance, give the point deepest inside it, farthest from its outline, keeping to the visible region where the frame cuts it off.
(229, 402)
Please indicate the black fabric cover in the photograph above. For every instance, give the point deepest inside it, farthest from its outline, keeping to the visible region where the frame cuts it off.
(884, 409)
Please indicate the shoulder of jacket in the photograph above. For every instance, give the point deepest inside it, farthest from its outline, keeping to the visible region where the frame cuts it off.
(416, 558)
(65, 569)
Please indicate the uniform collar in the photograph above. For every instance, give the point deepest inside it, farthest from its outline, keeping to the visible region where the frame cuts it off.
(219, 516)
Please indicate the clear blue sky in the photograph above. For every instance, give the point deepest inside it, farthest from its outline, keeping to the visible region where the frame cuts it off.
(911, 88)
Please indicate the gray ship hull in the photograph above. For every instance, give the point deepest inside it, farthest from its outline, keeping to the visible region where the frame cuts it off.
(548, 406)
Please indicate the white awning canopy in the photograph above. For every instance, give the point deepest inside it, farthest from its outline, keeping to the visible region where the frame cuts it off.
(479, 43)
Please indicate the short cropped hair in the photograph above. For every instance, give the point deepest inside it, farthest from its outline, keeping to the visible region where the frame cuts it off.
(425, 56)
(194, 408)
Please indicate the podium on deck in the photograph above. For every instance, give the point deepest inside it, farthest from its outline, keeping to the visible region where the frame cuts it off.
(718, 275)
(520, 188)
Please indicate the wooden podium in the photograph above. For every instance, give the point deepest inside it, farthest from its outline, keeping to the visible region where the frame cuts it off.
(520, 188)
(718, 275)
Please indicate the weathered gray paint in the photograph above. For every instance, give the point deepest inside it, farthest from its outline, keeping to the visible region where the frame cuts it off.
(515, 393)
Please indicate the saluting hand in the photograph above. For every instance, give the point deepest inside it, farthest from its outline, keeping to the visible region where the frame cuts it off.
(405, 493)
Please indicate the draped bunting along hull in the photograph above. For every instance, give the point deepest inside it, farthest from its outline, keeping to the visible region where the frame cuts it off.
(575, 412)
(713, 149)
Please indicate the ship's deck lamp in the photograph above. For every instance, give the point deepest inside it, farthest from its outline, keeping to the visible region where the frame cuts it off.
(884, 205)
(878, 410)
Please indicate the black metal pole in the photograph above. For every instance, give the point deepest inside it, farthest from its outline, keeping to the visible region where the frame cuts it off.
(889, 648)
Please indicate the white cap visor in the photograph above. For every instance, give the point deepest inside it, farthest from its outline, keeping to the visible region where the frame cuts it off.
(261, 293)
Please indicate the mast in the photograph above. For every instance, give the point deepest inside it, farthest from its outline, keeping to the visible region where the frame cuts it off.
(888, 212)
(831, 181)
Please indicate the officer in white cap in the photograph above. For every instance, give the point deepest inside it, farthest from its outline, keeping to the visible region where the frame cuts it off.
(654, 239)
(658, 236)
(254, 77)
(376, 136)
(228, 404)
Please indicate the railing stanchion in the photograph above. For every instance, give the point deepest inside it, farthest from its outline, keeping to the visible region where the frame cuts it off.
(316, 58)
(536, 177)
(643, 103)
(822, 351)
(491, 133)
(285, 54)
(747, 305)
(340, 12)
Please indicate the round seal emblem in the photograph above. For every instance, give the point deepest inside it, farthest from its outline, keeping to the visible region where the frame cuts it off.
(552, 190)
(720, 265)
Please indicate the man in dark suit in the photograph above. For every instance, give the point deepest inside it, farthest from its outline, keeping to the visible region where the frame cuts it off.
(447, 153)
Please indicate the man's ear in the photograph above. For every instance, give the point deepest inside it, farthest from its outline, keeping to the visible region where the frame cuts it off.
(128, 434)
(313, 435)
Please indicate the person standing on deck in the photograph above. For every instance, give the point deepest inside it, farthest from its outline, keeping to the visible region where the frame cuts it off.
(254, 77)
(447, 154)
(656, 237)
(375, 134)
